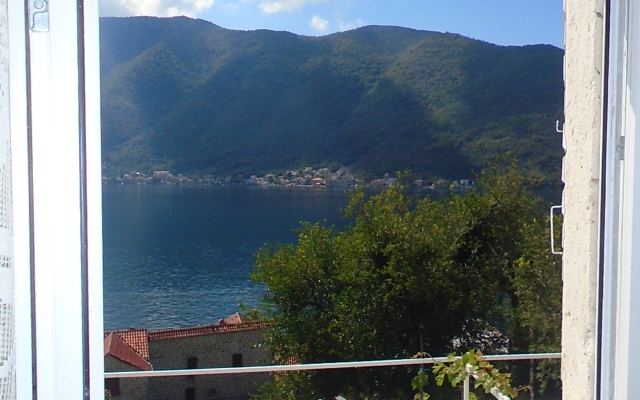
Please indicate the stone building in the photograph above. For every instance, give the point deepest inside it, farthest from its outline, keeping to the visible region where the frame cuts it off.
(233, 342)
(120, 356)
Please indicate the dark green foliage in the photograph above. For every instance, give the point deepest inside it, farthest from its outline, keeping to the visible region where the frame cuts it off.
(200, 98)
(537, 315)
(468, 365)
(411, 276)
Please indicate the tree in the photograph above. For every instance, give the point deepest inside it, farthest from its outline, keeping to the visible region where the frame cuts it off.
(536, 312)
(408, 275)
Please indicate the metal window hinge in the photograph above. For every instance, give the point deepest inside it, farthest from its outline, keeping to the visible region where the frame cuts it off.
(620, 147)
(39, 15)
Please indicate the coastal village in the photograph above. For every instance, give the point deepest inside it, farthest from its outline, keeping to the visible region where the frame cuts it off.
(307, 177)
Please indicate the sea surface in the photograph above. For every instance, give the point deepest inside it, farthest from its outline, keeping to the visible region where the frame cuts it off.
(178, 256)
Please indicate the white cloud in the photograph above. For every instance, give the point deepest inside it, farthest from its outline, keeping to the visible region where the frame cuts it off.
(347, 26)
(158, 8)
(275, 6)
(229, 6)
(319, 24)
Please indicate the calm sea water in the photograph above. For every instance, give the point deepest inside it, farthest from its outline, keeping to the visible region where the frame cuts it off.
(181, 256)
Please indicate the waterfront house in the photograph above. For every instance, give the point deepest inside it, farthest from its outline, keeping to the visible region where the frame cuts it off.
(317, 182)
(235, 341)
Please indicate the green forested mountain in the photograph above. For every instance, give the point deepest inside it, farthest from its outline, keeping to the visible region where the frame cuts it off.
(192, 97)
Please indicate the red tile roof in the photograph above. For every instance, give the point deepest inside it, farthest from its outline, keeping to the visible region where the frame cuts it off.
(116, 347)
(236, 318)
(205, 330)
(137, 339)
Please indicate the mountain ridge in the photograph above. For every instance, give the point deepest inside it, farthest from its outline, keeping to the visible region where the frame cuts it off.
(190, 96)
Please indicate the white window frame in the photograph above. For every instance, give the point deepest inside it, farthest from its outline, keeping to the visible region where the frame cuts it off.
(55, 194)
(618, 368)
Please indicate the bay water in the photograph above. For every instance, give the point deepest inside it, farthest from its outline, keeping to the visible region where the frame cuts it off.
(178, 256)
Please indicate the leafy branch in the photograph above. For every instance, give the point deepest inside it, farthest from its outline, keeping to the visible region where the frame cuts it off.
(457, 369)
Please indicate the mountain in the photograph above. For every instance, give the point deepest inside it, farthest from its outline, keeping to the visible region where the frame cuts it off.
(189, 96)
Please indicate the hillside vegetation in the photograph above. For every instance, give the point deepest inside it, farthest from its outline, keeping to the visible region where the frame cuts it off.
(192, 97)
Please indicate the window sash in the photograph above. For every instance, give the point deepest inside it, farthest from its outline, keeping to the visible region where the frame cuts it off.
(48, 182)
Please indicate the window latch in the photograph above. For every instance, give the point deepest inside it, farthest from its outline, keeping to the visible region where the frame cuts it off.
(39, 15)
(620, 147)
(552, 230)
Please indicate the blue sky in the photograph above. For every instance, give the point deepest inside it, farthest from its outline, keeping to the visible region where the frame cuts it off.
(504, 22)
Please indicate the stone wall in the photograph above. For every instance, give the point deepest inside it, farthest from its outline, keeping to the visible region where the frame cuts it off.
(210, 350)
(130, 388)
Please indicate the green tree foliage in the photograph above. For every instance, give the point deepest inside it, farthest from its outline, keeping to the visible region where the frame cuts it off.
(469, 365)
(410, 275)
(537, 315)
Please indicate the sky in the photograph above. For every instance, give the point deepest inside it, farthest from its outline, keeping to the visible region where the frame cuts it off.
(503, 22)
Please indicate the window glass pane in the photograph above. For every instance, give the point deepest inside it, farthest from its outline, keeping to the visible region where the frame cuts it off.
(217, 143)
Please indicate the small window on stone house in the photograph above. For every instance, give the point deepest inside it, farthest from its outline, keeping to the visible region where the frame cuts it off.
(113, 386)
(190, 393)
(236, 360)
(192, 362)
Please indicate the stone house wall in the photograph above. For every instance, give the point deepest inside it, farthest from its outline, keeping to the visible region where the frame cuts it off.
(130, 388)
(210, 350)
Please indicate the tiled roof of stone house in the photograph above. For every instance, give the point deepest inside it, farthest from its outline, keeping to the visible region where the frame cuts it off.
(137, 339)
(116, 347)
(205, 330)
(235, 318)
